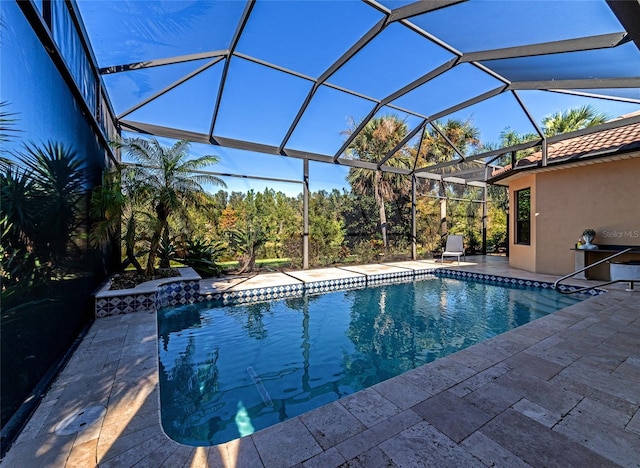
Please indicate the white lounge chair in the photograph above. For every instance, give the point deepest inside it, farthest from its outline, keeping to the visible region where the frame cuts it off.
(454, 248)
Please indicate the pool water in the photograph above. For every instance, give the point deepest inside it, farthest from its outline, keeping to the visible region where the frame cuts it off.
(227, 371)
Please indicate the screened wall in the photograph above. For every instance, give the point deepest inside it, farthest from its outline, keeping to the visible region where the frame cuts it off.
(52, 156)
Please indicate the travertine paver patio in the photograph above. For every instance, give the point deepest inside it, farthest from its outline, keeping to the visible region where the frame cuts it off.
(560, 391)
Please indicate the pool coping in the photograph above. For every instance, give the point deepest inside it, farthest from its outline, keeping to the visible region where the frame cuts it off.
(121, 357)
(188, 287)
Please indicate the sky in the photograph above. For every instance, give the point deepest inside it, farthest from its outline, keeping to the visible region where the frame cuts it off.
(306, 36)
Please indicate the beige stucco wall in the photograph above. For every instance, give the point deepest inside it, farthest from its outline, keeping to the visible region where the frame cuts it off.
(522, 257)
(603, 196)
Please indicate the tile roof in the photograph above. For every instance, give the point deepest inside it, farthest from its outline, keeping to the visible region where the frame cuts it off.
(604, 143)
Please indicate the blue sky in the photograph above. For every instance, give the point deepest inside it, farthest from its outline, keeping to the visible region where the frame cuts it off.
(306, 37)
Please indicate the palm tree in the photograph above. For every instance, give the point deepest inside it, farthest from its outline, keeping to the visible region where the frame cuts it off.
(573, 119)
(435, 149)
(40, 197)
(170, 182)
(379, 136)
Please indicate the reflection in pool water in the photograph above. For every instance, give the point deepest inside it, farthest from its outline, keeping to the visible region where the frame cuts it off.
(228, 371)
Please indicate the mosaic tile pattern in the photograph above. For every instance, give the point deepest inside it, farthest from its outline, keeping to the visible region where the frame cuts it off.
(319, 287)
(516, 281)
(125, 304)
(187, 291)
(179, 292)
(182, 292)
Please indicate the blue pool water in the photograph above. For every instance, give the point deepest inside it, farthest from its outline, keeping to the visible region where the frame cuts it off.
(227, 371)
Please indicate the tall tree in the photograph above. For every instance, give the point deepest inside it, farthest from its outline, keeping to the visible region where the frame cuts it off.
(573, 119)
(435, 149)
(170, 179)
(379, 136)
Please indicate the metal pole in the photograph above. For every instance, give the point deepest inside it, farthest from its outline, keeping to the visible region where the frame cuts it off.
(305, 216)
(414, 253)
(484, 221)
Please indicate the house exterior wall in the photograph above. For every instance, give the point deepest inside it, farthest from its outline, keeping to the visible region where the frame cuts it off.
(605, 197)
(522, 257)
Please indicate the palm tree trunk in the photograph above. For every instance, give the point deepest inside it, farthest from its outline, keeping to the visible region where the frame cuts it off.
(381, 209)
(153, 248)
(383, 224)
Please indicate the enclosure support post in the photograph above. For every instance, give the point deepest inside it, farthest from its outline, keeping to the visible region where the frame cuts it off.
(414, 253)
(484, 220)
(305, 216)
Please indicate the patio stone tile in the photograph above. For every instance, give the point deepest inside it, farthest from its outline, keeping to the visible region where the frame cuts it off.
(545, 344)
(473, 358)
(369, 407)
(429, 380)
(451, 368)
(180, 456)
(158, 456)
(534, 365)
(401, 392)
(537, 412)
(329, 459)
(594, 429)
(493, 353)
(373, 269)
(538, 445)
(545, 394)
(212, 285)
(562, 357)
(455, 417)
(607, 399)
(510, 344)
(115, 442)
(268, 280)
(45, 450)
(37, 422)
(373, 436)
(479, 379)
(137, 453)
(493, 398)
(601, 413)
(240, 453)
(285, 444)
(373, 458)
(601, 380)
(83, 455)
(331, 424)
(424, 445)
(634, 423)
(491, 453)
(322, 274)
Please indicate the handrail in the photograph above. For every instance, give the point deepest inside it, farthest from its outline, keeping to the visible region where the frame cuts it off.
(599, 262)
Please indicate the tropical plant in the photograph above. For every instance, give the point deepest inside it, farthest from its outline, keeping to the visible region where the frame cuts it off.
(7, 123)
(247, 242)
(573, 119)
(379, 136)
(41, 201)
(202, 255)
(435, 149)
(168, 180)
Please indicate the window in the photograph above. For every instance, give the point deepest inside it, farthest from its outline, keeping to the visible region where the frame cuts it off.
(523, 216)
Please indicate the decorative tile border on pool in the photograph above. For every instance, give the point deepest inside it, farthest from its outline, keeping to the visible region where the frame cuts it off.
(325, 286)
(148, 296)
(254, 295)
(186, 290)
(446, 273)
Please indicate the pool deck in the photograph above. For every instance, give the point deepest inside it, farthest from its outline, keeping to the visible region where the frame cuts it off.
(563, 390)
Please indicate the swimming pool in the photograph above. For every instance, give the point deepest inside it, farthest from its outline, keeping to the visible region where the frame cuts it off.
(227, 371)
